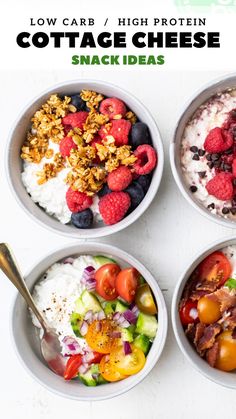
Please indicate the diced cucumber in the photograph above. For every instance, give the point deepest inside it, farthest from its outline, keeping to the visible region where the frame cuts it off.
(142, 342)
(110, 307)
(88, 379)
(75, 321)
(127, 335)
(79, 306)
(95, 370)
(146, 325)
(87, 301)
(102, 260)
(121, 307)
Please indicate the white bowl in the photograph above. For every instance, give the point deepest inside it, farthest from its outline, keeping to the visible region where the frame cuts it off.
(27, 344)
(190, 108)
(226, 379)
(14, 162)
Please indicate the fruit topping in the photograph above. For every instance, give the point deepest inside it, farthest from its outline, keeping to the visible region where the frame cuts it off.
(147, 159)
(79, 103)
(75, 120)
(77, 201)
(221, 186)
(113, 107)
(119, 130)
(218, 140)
(66, 145)
(83, 219)
(140, 135)
(114, 206)
(119, 178)
(136, 194)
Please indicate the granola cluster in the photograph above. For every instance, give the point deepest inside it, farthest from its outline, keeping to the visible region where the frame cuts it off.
(85, 174)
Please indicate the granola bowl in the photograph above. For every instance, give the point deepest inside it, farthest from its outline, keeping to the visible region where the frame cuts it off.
(198, 338)
(202, 152)
(45, 206)
(26, 337)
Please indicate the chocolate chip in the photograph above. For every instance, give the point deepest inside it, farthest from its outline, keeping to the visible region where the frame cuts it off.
(211, 206)
(225, 210)
(217, 163)
(229, 151)
(202, 174)
(194, 149)
(193, 188)
(208, 157)
(233, 211)
(210, 164)
(201, 152)
(215, 157)
(195, 157)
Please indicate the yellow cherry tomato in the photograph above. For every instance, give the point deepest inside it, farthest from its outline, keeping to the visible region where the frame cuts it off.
(107, 370)
(127, 364)
(208, 310)
(99, 336)
(144, 300)
(226, 358)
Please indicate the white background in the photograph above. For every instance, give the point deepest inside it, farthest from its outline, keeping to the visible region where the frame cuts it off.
(165, 239)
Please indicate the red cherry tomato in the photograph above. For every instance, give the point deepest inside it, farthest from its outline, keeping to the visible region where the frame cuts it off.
(96, 358)
(127, 283)
(105, 281)
(215, 265)
(72, 367)
(188, 313)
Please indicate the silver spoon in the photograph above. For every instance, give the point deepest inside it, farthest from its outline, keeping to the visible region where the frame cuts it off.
(50, 345)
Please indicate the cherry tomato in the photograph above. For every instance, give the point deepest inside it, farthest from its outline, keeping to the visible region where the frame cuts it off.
(144, 300)
(127, 364)
(127, 283)
(105, 281)
(107, 370)
(226, 358)
(72, 366)
(188, 313)
(96, 358)
(99, 336)
(215, 265)
(208, 310)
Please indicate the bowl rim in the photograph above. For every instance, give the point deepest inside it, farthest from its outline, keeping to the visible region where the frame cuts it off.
(172, 152)
(185, 347)
(104, 230)
(109, 249)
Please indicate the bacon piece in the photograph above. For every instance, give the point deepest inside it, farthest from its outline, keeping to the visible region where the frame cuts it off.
(211, 354)
(197, 294)
(200, 328)
(230, 321)
(225, 297)
(208, 285)
(208, 338)
(191, 331)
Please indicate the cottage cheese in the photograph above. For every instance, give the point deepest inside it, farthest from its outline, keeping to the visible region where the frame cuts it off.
(210, 115)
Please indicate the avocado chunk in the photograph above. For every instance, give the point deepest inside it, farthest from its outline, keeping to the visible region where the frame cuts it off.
(142, 342)
(75, 321)
(87, 378)
(87, 301)
(121, 307)
(127, 335)
(102, 260)
(146, 325)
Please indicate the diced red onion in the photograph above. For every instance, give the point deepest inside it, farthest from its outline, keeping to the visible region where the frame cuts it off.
(130, 316)
(87, 357)
(120, 320)
(135, 310)
(88, 278)
(193, 313)
(98, 326)
(89, 316)
(116, 316)
(101, 315)
(71, 346)
(83, 368)
(95, 376)
(124, 324)
(84, 328)
(89, 269)
(127, 348)
(69, 260)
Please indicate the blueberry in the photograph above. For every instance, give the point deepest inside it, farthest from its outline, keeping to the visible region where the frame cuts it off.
(83, 219)
(136, 194)
(104, 191)
(79, 103)
(140, 135)
(145, 181)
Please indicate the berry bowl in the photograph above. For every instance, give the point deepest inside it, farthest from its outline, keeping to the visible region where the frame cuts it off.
(204, 312)
(203, 151)
(85, 159)
(145, 347)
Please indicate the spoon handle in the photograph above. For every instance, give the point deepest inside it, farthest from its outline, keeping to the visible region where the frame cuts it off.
(9, 266)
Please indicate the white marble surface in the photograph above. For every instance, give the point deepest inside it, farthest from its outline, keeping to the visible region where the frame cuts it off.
(164, 239)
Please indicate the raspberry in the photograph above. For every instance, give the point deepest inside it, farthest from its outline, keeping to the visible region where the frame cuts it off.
(218, 140)
(66, 145)
(221, 186)
(114, 206)
(77, 201)
(75, 120)
(120, 129)
(234, 168)
(113, 107)
(147, 159)
(119, 179)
